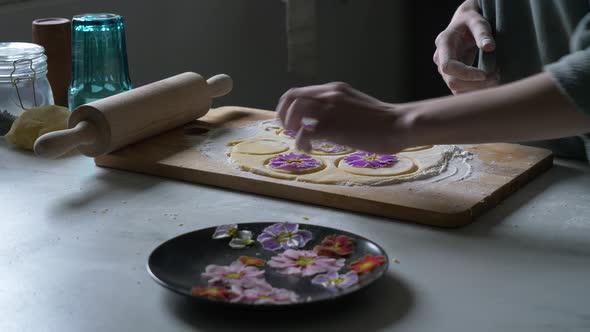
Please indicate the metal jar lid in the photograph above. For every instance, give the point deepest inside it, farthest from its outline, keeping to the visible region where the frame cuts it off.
(21, 60)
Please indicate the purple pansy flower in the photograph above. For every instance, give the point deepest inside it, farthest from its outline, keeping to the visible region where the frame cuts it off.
(235, 274)
(334, 281)
(224, 231)
(290, 133)
(304, 263)
(370, 160)
(263, 295)
(293, 162)
(283, 236)
(328, 147)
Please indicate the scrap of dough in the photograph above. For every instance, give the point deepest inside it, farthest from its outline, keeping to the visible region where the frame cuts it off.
(34, 122)
(403, 166)
(262, 146)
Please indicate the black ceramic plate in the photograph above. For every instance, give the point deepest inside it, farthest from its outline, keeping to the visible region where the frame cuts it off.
(177, 264)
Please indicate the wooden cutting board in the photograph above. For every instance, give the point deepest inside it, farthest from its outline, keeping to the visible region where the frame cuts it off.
(500, 170)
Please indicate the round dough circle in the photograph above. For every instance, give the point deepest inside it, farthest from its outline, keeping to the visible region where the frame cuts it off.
(261, 146)
(318, 168)
(403, 166)
(418, 148)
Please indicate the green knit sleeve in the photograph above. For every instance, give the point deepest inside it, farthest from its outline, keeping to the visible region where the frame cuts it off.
(572, 72)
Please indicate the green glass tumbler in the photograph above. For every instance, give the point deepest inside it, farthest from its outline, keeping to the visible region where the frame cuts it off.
(99, 58)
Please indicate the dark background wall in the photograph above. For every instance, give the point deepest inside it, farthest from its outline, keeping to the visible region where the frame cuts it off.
(382, 47)
(428, 20)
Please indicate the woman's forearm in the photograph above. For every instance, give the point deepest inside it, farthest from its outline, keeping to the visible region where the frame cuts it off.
(530, 109)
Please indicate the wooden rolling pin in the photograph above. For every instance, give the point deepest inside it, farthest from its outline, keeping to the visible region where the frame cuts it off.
(111, 123)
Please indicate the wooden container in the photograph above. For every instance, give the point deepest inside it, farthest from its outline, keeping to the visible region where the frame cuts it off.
(54, 34)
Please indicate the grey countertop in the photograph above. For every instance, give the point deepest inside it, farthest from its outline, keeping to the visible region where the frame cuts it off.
(75, 241)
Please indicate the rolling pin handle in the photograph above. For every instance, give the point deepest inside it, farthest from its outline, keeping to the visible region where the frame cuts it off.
(58, 143)
(219, 85)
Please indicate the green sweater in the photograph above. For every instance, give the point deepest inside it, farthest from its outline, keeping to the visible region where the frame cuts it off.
(544, 35)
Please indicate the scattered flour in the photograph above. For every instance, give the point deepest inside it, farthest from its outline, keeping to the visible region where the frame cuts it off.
(454, 165)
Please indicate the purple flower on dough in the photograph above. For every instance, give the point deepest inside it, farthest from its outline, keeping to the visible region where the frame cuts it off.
(334, 281)
(235, 274)
(328, 147)
(304, 263)
(225, 231)
(293, 162)
(293, 133)
(370, 160)
(263, 295)
(290, 133)
(283, 236)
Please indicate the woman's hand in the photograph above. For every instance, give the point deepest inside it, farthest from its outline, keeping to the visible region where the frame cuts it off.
(530, 109)
(342, 115)
(457, 48)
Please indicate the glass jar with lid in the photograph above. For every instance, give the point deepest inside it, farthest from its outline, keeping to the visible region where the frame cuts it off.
(23, 81)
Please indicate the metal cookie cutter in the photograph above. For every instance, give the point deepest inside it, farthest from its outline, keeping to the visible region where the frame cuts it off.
(16, 80)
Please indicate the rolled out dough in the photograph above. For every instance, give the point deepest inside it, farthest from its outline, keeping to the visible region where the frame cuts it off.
(253, 154)
(261, 146)
(403, 166)
(35, 122)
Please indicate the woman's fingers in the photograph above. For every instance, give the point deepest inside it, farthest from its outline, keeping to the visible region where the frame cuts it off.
(482, 32)
(460, 86)
(340, 114)
(462, 71)
(448, 61)
(328, 129)
(291, 95)
(304, 138)
(304, 108)
(324, 92)
(456, 46)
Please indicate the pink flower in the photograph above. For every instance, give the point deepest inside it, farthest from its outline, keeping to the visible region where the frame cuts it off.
(235, 274)
(252, 261)
(304, 262)
(335, 246)
(367, 264)
(263, 295)
(215, 293)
